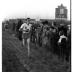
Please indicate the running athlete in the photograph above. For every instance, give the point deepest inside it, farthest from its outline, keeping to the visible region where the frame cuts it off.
(25, 28)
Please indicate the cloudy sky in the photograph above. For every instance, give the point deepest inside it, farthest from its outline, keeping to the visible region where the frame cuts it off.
(31, 8)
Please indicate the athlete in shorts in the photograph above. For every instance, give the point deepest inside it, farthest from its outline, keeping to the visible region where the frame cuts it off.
(26, 27)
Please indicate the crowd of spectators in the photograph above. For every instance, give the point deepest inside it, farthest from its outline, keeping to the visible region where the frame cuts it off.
(47, 35)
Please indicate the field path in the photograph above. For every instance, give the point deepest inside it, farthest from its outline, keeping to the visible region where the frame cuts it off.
(40, 60)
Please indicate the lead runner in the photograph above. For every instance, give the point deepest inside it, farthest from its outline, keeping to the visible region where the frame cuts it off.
(25, 28)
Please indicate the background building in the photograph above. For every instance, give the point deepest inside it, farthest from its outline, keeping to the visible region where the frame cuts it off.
(61, 12)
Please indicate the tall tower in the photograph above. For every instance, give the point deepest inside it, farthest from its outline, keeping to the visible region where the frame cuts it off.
(61, 12)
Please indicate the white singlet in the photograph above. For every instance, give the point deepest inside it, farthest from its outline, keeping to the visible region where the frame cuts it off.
(25, 27)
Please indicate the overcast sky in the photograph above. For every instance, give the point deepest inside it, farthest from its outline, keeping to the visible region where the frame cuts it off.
(31, 8)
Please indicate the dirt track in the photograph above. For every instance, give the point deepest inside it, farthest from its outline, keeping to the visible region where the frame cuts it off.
(15, 58)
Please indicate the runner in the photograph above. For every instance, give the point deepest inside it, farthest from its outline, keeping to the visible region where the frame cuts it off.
(26, 27)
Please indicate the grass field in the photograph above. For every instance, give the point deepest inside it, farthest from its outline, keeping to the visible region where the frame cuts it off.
(15, 59)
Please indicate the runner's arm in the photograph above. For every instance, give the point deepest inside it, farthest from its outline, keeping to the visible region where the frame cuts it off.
(21, 28)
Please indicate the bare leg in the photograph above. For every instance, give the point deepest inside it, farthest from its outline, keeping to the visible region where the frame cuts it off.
(28, 46)
(23, 42)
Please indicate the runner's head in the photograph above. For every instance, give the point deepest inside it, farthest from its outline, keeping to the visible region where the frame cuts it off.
(28, 19)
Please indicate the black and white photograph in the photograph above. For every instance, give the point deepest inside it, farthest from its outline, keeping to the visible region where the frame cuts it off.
(36, 35)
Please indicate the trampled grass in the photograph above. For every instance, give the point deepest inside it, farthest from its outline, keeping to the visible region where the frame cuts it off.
(40, 60)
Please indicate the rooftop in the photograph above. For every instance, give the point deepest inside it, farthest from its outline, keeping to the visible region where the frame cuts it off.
(61, 6)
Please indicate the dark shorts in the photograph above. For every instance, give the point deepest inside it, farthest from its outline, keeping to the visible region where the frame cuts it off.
(25, 35)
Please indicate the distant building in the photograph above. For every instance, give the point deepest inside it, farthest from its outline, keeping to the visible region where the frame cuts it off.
(61, 12)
